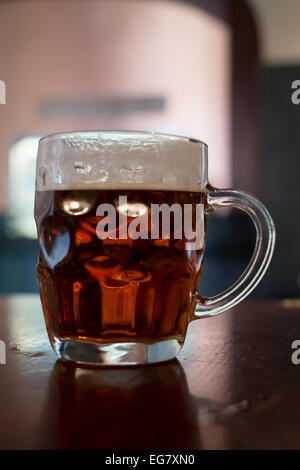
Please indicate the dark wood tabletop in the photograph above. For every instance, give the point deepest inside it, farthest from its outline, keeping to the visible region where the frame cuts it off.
(233, 386)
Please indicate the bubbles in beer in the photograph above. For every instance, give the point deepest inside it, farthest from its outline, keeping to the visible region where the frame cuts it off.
(102, 175)
(82, 168)
(132, 172)
(131, 169)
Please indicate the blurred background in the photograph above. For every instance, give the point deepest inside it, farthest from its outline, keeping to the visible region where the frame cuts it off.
(217, 70)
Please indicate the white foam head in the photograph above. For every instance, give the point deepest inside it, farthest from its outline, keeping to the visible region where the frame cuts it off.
(121, 160)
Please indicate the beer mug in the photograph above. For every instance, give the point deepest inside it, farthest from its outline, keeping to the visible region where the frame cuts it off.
(121, 221)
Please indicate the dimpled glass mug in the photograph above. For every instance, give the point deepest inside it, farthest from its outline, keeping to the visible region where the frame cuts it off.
(121, 221)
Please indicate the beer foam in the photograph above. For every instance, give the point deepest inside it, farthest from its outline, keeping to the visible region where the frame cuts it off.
(121, 160)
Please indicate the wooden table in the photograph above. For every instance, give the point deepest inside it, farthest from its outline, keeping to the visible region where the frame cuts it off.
(233, 387)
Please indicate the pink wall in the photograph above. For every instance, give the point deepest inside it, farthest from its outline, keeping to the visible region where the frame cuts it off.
(82, 49)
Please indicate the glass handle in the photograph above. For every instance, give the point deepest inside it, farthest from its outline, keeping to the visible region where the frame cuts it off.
(264, 247)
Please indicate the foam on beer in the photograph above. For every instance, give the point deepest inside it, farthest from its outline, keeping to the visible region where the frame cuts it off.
(111, 160)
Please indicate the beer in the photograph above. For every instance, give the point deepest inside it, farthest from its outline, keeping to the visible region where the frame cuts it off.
(121, 219)
(114, 290)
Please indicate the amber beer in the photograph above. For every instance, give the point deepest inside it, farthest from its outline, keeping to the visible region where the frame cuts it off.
(113, 290)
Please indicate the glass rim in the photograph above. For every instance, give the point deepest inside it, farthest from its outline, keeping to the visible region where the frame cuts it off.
(59, 135)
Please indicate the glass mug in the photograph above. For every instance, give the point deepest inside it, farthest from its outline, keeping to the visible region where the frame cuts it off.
(121, 221)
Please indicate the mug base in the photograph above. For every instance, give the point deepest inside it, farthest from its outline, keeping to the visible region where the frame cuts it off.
(115, 354)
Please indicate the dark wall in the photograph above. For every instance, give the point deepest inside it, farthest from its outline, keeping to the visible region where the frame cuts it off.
(279, 167)
(278, 186)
